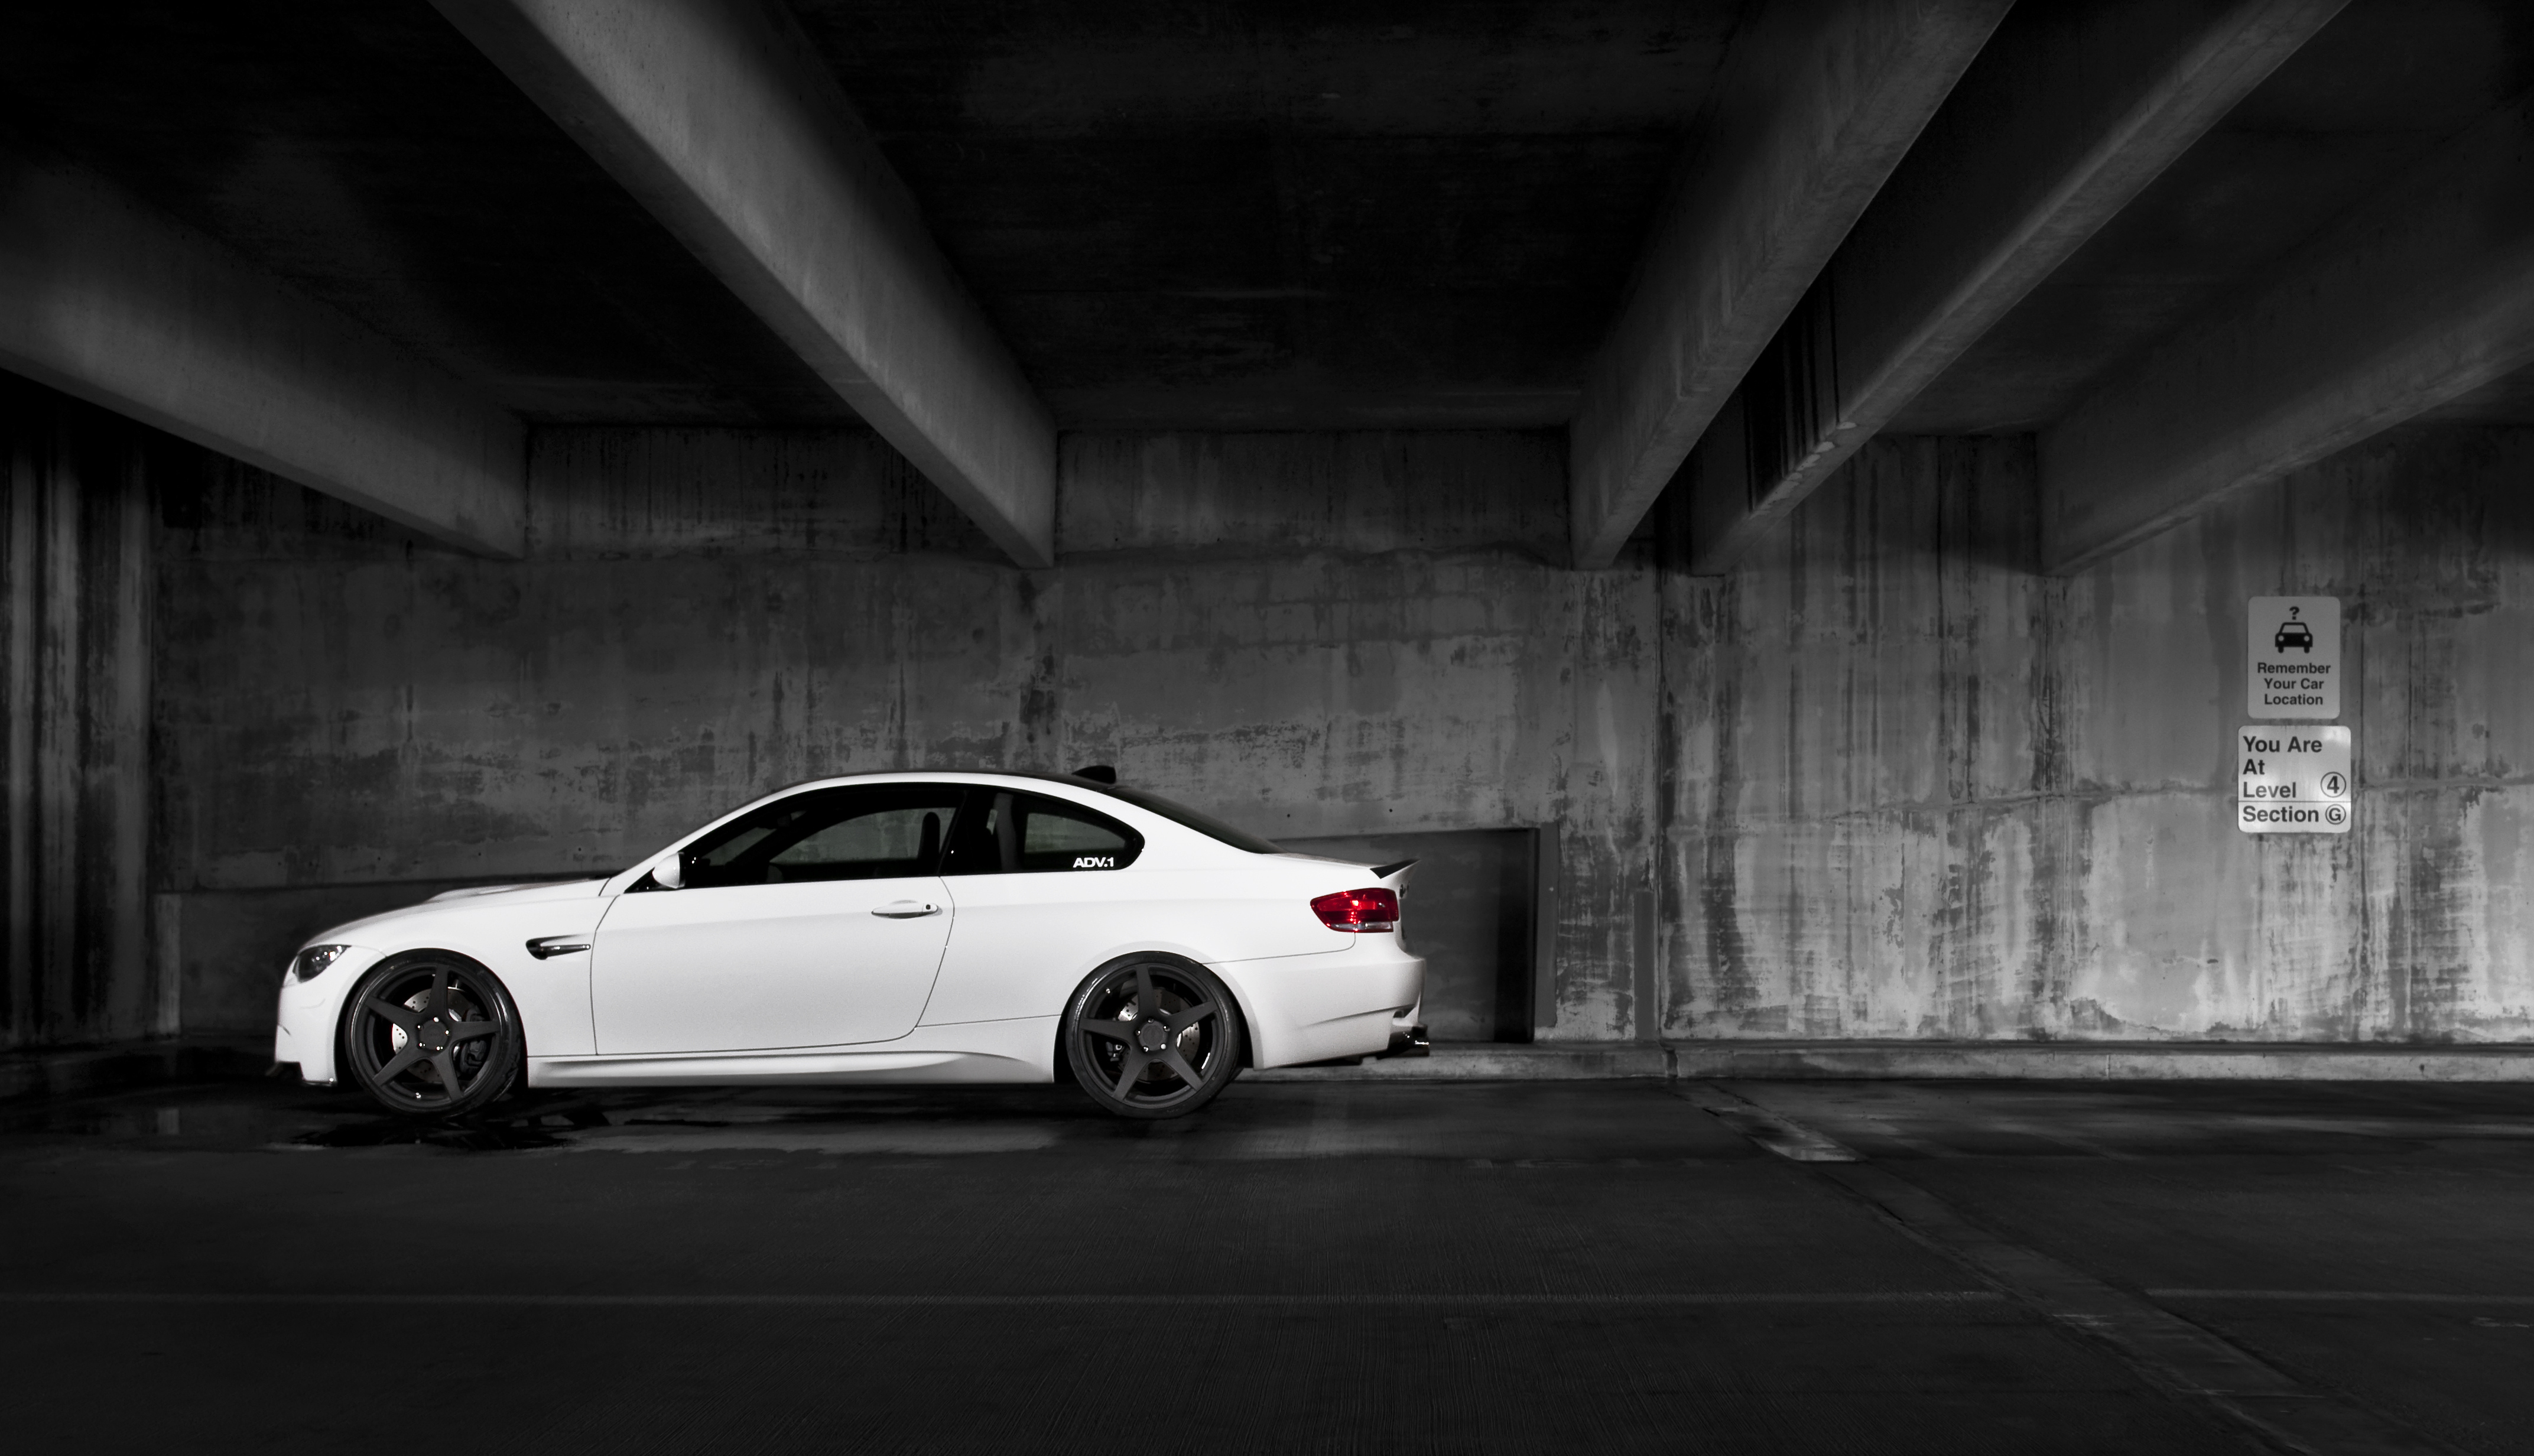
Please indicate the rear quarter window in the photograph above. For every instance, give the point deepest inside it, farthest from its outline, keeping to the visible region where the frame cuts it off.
(1051, 835)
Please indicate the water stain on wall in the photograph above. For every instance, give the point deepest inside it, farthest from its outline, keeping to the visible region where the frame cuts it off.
(1952, 798)
(1884, 780)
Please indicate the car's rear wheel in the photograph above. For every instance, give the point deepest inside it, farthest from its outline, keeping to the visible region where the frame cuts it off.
(433, 1034)
(1153, 1037)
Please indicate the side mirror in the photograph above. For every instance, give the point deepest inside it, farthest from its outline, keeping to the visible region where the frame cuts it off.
(671, 873)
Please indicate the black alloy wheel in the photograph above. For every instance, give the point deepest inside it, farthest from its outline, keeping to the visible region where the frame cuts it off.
(431, 1034)
(1150, 1037)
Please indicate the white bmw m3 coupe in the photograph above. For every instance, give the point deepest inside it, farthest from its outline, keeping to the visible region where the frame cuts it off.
(883, 927)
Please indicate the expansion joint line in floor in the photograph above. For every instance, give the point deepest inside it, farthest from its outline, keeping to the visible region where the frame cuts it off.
(2184, 1358)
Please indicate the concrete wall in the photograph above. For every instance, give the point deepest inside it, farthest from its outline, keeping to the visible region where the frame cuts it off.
(1309, 635)
(74, 659)
(1922, 791)
(1883, 781)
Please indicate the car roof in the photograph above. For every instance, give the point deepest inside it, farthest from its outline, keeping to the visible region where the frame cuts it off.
(1091, 792)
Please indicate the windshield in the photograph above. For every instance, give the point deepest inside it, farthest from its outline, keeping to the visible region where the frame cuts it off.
(1180, 814)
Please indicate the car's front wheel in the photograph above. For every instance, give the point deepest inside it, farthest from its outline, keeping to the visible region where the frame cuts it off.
(431, 1033)
(1153, 1036)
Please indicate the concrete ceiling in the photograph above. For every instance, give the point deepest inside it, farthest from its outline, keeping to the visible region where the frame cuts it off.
(2505, 401)
(1176, 215)
(2383, 82)
(1208, 214)
(371, 155)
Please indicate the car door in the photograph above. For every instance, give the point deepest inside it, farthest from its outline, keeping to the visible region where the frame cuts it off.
(814, 921)
(1038, 885)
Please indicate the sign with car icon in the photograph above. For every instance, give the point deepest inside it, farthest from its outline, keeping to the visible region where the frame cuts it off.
(2292, 666)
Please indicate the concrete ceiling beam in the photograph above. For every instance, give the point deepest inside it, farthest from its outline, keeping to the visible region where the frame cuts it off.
(718, 117)
(2071, 111)
(104, 298)
(1817, 101)
(2411, 299)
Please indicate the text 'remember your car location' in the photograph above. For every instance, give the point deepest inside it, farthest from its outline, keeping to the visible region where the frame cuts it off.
(880, 928)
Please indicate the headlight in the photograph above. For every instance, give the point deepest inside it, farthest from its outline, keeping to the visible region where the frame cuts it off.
(312, 962)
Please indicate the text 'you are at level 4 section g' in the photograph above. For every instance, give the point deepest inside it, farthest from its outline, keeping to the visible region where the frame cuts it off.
(2293, 781)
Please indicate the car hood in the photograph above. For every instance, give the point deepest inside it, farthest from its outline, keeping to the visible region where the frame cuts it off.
(468, 898)
(520, 894)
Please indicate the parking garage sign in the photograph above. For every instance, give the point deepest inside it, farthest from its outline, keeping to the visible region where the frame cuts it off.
(2294, 780)
(2293, 657)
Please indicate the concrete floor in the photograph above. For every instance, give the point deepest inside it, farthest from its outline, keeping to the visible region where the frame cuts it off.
(1612, 1267)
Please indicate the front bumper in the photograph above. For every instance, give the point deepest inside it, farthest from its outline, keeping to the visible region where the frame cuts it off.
(307, 1012)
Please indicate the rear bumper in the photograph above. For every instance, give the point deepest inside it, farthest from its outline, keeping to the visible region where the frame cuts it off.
(1315, 1008)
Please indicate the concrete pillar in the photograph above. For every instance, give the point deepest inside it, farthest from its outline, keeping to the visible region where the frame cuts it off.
(75, 672)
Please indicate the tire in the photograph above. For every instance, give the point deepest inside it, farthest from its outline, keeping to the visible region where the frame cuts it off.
(1110, 1036)
(431, 1034)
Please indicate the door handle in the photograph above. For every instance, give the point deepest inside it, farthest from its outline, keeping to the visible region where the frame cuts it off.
(906, 909)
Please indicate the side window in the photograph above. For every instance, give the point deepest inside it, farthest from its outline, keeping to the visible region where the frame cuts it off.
(899, 839)
(864, 833)
(1024, 833)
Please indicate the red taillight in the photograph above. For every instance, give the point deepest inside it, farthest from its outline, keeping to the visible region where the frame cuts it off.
(1359, 910)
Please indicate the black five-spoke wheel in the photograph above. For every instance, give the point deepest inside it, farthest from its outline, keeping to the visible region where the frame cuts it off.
(432, 1033)
(1149, 1036)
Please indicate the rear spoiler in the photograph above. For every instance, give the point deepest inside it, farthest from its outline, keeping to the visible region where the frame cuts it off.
(1384, 872)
